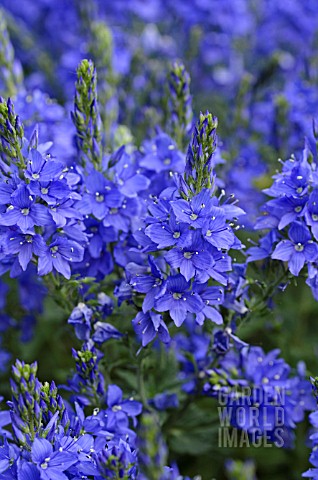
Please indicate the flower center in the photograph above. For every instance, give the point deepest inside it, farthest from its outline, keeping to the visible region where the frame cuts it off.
(54, 249)
(299, 247)
(314, 217)
(193, 216)
(177, 296)
(45, 464)
(299, 189)
(44, 190)
(167, 161)
(188, 255)
(176, 235)
(298, 209)
(28, 238)
(25, 211)
(113, 211)
(35, 176)
(208, 233)
(116, 408)
(99, 198)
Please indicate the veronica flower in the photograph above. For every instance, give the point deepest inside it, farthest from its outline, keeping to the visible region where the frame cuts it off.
(59, 255)
(192, 259)
(160, 210)
(298, 250)
(105, 331)
(28, 471)
(25, 245)
(118, 408)
(152, 285)
(292, 183)
(312, 212)
(148, 326)
(63, 210)
(210, 296)
(129, 181)
(217, 232)
(99, 235)
(24, 212)
(178, 300)
(120, 217)
(161, 154)
(7, 188)
(222, 264)
(50, 192)
(167, 234)
(50, 464)
(100, 197)
(41, 169)
(115, 457)
(288, 209)
(80, 318)
(8, 454)
(265, 247)
(195, 211)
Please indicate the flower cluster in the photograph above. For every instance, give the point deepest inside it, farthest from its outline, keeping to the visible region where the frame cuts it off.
(249, 381)
(291, 218)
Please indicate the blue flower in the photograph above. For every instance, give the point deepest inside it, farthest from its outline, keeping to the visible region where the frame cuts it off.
(25, 245)
(192, 259)
(161, 154)
(210, 296)
(8, 455)
(50, 192)
(312, 212)
(162, 401)
(120, 217)
(288, 209)
(41, 169)
(129, 181)
(105, 331)
(152, 285)
(50, 464)
(293, 182)
(148, 326)
(195, 211)
(99, 235)
(62, 211)
(217, 232)
(80, 318)
(116, 456)
(167, 234)
(179, 300)
(100, 197)
(118, 409)
(60, 253)
(265, 247)
(28, 471)
(24, 212)
(298, 250)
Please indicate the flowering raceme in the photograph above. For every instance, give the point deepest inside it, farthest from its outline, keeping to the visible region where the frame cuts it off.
(195, 225)
(291, 214)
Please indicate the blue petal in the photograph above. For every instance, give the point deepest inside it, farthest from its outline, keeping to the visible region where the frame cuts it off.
(41, 449)
(283, 251)
(296, 263)
(114, 395)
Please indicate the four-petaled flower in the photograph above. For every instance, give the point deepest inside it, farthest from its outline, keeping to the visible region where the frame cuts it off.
(298, 250)
(178, 299)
